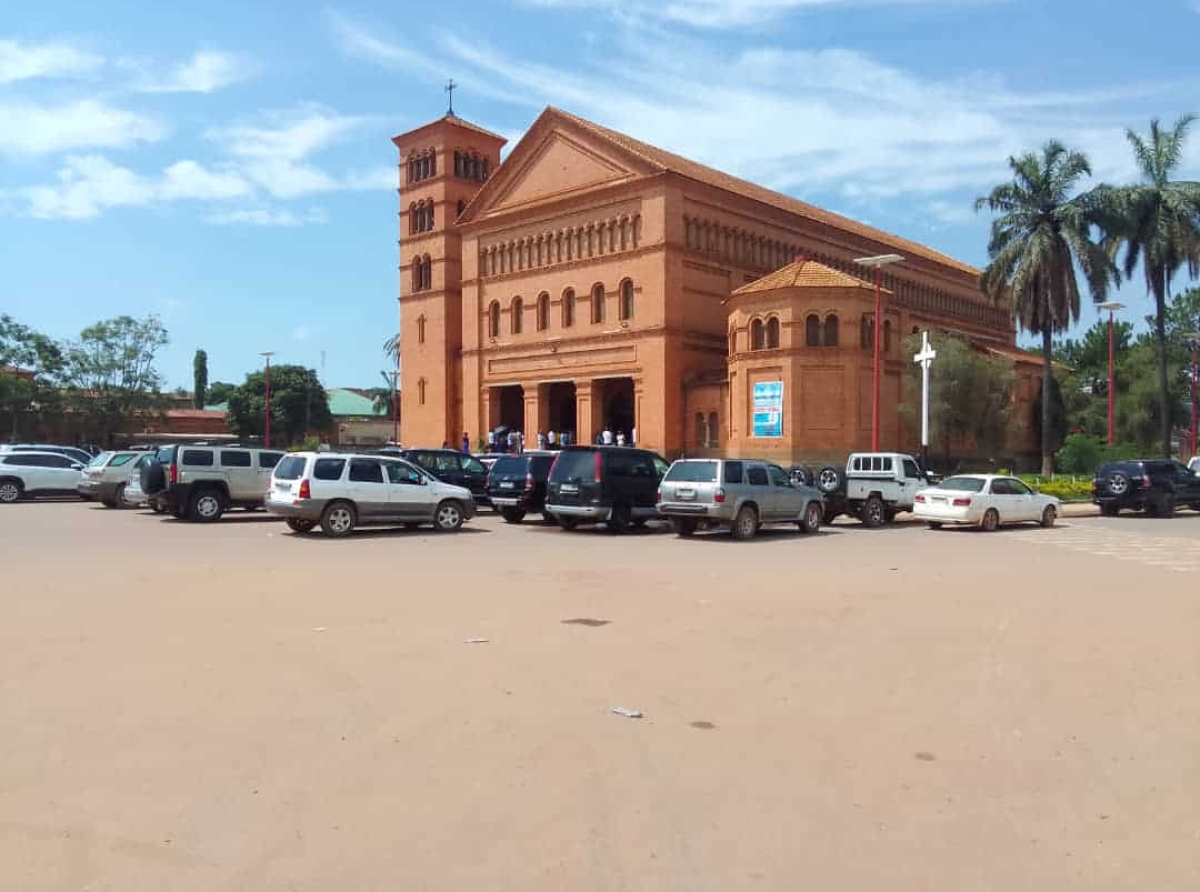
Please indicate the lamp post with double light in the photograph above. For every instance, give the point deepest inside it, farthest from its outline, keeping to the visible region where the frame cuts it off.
(1112, 306)
(878, 262)
(267, 354)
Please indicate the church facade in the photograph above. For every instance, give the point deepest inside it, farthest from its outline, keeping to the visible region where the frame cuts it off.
(592, 281)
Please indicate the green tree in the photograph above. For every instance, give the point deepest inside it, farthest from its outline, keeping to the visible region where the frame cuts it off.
(382, 397)
(970, 396)
(391, 348)
(1157, 222)
(30, 363)
(1138, 407)
(299, 404)
(219, 391)
(200, 379)
(110, 373)
(1085, 381)
(1040, 234)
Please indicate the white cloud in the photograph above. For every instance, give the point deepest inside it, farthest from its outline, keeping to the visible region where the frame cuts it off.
(205, 72)
(269, 217)
(23, 61)
(87, 123)
(361, 42)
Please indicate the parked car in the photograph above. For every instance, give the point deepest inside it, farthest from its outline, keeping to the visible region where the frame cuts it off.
(1156, 486)
(72, 452)
(134, 497)
(614, 485)
(452, 467)
(29, 475)
(874, 486)
(739, 494)
(202, 482)
(517, 485)
(985, 501)
(106, 476)
(341, 491)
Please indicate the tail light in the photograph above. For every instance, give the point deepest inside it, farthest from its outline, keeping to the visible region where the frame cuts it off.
(1146, 481)
(719, 495)
(598, 472)
(962, 503)
(920, 500)
(174, 473)
(305, 491)
(659, 496)
(529, 481)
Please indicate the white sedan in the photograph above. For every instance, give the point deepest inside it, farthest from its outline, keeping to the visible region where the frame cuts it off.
(983, 500)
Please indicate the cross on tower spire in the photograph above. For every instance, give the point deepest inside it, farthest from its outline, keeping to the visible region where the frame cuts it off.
(450, 88)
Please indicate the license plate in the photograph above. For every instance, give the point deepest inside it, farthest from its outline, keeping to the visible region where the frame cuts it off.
(685, 495)
(506, 484)
(938, 500)
(283, 487)
(569, 487)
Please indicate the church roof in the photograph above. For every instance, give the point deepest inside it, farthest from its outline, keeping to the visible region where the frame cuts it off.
(452, 118)
(803, 274)
(668, 161)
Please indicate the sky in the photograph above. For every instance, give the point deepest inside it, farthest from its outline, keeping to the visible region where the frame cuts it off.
(228, 166)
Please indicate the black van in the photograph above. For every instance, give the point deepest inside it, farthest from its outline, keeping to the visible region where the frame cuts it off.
(450, 467)
(517, 485)
(615, 485)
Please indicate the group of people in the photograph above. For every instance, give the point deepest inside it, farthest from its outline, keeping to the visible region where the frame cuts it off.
(513, 442)
(607, 438)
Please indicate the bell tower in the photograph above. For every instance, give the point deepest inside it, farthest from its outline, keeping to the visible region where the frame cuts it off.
(442, 165)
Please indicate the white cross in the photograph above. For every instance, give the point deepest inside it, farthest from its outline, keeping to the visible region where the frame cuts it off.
(925, 359)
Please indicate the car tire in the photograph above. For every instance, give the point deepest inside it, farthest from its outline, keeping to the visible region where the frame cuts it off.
(1109, 510)
(338, 519)
(154, 478)
(620, 518)
(745, 524)
(991, 521)
(300, 525)
(874, 514)
(11, 491)
(934, 525)
(119, 496)
(448, 518)
(1118, 483)
(205, 506)
(812, 518)
(800, 475)
(1049, 516)
(567, 523)
(830, 479)
(683, 526)
(512, 515)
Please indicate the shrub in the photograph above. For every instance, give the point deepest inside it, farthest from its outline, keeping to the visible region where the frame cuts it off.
(1080, 454)
(1068, 491)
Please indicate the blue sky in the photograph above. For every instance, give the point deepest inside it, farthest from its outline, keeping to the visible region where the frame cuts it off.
(229, 166)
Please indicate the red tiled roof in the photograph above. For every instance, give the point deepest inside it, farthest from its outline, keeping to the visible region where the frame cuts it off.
(803, 274)
(194, 413)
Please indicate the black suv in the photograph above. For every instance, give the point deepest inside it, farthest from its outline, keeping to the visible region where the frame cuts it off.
(450, 467)
(517, 485)
(1155, 486)
(617, 485)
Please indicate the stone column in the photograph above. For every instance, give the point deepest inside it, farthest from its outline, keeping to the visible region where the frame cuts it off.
(589, 409)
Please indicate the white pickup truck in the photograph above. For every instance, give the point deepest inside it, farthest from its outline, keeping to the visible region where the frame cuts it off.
(876, 486)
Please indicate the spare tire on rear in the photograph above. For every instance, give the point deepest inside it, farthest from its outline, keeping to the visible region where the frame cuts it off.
(800, 475)
(830, 479)
(153, 478)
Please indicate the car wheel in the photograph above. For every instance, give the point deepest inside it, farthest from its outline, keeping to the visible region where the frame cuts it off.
(1118, 483)
(991, 520)
(449, 517)
(338, 519)
(829, 516)
(206, 506)
(830, 479)
(683, 526)
(745, 524)
(873, 512)
(812, 518)
(1109, 510)
(298, 525)
(10, 491)
(800, 475)
(157, 507)
(1049, 516)
(119, 496)
(512, 515)
(934, 525)
(567, 523)
(620, 517)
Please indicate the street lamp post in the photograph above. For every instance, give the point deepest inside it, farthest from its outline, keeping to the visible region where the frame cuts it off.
(1193, 340)
(878, 262)
(267, 405)
(1112, 307)
(393, 377)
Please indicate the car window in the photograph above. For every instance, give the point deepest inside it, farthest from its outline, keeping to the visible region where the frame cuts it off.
(660, 466)
(166, 455)
(121, 460)
(1001, 488)
(234, 459)
(887, 463)
(99, 460)
(574, 464)
(52, 461)
(199, 458)
(962, 484)
(779, 476)
(472, 464)
(1159, 467)
(1017, 488)
(733, 472)
(756, 475)
(619, 464)
(510, 465)
(365, 470)
(424, 459)
(911, 470)
(692, 472)
(328, 468)
(447, 462)
(269, 459)
(290, 468)
(399, 472)
(14, 458)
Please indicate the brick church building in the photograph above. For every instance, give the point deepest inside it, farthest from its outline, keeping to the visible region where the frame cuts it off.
(595, 281)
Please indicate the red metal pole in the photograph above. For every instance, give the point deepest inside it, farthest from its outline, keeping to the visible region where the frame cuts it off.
(875, 382)
(1111, 378)
(267, 429)
(1193, 399)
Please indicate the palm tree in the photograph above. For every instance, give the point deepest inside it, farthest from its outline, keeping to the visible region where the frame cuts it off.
(1041, 231)
(391, 348)
(1157, 221)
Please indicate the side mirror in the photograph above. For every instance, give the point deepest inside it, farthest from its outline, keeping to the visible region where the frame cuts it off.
(76, 466)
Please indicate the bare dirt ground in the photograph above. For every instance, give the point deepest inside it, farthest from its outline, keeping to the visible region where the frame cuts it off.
(236, 707)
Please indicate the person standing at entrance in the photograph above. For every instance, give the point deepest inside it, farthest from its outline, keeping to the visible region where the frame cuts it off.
(607, 436)
(620, 438)
(550, 439)
(541, 440)
(466, 444)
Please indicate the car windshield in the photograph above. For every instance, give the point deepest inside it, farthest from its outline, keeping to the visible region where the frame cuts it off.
(99, 460)
(962, 484)
(510, 465)
(574, 464)
(290, 468)
(692, 472)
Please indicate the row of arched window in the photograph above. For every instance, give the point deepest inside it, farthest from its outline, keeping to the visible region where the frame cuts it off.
(422, 273)
(818, 332)
(619, 233)
(470, 166)
(422, 165)
(597, 298)
(420, 216)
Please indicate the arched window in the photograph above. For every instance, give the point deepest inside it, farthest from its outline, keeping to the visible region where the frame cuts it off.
(494, 319)
(867, 332)
(773, 333)
(432, 163)
(416, 274)
(732, 341)
(429, 216)
(831, 331)
(714, 431)
(701, 430)
(757, 339)
(427, 273)
(887, 335)
(421, 329)
(421, 391)
(812, 331)
(597, 304)
(543, 311)
(568, 308)
(518, 311)
(626, 309)
(483, 170)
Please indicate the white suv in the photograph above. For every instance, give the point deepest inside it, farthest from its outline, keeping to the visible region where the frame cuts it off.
(342, 491)
(31, 474)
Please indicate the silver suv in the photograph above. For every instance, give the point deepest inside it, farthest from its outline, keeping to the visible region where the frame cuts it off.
(743, 495)
(202, 482)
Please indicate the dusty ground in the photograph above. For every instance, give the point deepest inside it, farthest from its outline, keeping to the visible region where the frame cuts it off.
(235, 707)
